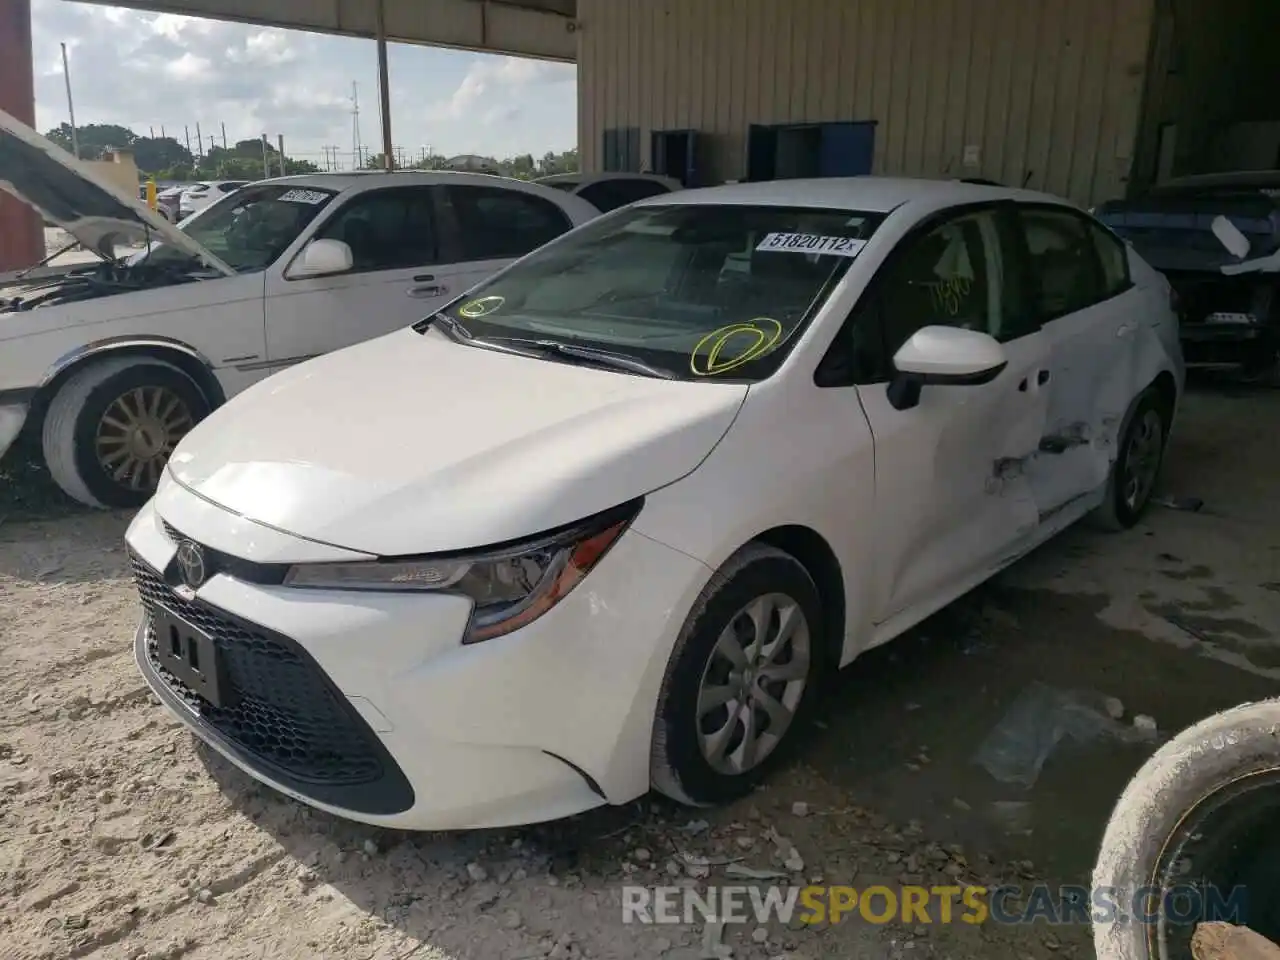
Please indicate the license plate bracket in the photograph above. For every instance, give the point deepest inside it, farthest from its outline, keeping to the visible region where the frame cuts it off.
(189, 654)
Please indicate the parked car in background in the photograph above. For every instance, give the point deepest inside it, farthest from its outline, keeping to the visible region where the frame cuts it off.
(603, 522)
(609, 191)
(111, 364)
(168, 202)
(1230, 316)
(200, 195)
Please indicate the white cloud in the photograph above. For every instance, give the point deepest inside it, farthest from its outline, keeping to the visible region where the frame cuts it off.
(148, 71)
(188, 67)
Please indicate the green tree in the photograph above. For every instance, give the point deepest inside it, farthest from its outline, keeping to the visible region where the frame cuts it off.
(94, 138)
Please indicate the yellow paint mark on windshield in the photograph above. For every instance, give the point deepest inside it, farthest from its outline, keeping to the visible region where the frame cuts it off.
(761, 334)
(481, 307)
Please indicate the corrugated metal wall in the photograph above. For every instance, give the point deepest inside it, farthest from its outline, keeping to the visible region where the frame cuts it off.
(1049, 89)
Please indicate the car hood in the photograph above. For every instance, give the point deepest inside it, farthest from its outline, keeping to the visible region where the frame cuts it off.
(67, 193)
(412, 443)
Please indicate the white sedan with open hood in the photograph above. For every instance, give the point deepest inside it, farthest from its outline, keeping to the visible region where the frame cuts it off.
(603, 523)
(110, 364)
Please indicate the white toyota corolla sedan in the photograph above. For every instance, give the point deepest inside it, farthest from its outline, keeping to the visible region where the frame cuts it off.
(604, 522)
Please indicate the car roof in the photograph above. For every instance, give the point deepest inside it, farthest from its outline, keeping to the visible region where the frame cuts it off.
(870, 193)
(365, 179)
(585, 178)
(362, 180)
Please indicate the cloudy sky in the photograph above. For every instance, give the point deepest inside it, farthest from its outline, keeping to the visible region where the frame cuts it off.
(146, 71)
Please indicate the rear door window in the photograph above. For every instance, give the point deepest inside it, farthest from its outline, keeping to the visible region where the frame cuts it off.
(1065, 270)
(606, 195)
(499, 224)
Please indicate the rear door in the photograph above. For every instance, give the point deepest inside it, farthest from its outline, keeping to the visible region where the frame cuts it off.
(1090, 310)
(397, 277)
(484, 228)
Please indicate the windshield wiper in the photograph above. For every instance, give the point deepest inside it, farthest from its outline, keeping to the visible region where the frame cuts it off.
(451, 327)
(602, 358)
(541, 348)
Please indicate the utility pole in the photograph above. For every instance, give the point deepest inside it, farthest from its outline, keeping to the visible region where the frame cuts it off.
(224, 136)
(187, 133)
(357, 161)
(151, 132)
(266, 163)
(71, 108)
(280, 140)
(162, 133)
(384, 85)
(199, 141)
(212, 143)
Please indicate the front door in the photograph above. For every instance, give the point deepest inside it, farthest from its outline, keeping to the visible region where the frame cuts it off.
(953, 501)
(396, 278)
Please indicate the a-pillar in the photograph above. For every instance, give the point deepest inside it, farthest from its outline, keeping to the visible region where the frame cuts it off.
(21, 233)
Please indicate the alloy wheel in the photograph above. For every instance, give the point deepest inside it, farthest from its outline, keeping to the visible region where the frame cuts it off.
(1142, 459)
(138, 432)
(753, 683)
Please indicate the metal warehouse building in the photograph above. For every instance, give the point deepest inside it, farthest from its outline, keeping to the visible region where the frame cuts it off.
(1078, 97)
(1086, 98)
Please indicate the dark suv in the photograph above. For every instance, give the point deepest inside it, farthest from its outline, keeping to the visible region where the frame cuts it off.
(1227, 319)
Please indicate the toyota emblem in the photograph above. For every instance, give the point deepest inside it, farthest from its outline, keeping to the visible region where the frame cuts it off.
(191, 564)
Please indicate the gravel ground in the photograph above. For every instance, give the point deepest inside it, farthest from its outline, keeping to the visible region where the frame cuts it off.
(120, 837)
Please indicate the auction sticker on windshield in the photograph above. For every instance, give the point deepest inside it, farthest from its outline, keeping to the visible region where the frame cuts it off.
(811, 243)
(304, 196)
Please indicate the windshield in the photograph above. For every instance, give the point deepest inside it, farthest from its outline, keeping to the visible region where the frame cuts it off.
(696, 291)
(249, 229)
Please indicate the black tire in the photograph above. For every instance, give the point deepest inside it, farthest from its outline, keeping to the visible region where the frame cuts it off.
(1115, 513)
(1162, 814)
(678, 767)
(72, 423)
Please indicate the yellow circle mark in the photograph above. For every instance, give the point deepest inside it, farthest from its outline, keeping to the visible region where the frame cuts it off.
(481, 307)
(704, 359)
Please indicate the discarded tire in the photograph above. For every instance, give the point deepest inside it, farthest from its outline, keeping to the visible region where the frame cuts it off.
(1195, 837)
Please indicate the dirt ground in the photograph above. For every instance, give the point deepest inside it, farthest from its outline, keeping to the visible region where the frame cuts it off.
(120, 837)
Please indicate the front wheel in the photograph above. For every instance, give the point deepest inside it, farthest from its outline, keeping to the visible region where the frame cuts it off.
(111, 427)
(1197, 825)
(741, 679)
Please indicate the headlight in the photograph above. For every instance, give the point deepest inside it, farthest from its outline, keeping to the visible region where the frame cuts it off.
(511, 585)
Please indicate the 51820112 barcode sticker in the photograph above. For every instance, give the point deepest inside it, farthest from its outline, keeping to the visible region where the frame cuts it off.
(304, 196)
(811, 243)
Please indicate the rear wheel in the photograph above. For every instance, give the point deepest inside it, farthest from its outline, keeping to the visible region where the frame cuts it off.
(1137, 465)
(112, 426)
(741, 679)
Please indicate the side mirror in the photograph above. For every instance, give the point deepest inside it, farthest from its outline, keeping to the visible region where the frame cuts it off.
(321, 258)
(943, 356)
(1229, 236)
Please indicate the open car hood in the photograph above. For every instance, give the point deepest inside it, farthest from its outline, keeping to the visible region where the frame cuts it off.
(66, 193)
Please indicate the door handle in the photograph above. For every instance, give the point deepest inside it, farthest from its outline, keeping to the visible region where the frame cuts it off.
(428, 290)
(1042, 377)
(1124, 330)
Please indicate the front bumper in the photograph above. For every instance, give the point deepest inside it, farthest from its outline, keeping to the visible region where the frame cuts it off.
(368, 706)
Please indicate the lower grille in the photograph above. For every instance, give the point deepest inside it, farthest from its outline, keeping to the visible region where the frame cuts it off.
(281, 712)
